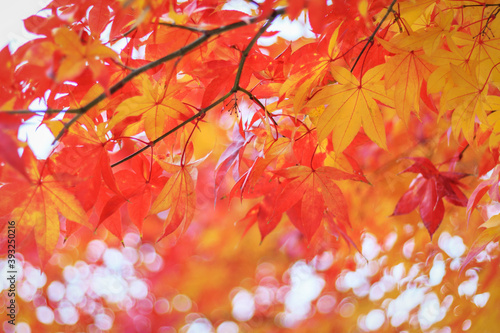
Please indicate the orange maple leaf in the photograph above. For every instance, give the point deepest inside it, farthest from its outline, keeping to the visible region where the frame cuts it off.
(138, 184)
(36, 205)
(85, 154)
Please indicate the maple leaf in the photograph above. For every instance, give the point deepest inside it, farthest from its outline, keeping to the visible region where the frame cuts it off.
(483, 48)
(178, 195)
(316, 10)
(156, 106)
(262, 214)
(405, 70)
(490, 234)
(231, 156)
(273, 149)
(470, 99)
(427, 192)
(301, 83)
(350, 104)
(107, 212)
(98, 18)
(316, 191)
(85, 155)
(35, 206)
(78, 56)
(137, 186)
(493, 130)
(489, 185)
(8, 155)
(6, 75)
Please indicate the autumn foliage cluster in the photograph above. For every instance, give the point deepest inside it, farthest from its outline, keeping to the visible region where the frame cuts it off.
(371, 141)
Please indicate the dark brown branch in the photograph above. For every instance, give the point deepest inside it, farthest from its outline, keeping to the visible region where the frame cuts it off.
(372, 36)
(181, 52)
(234, 89)
(184, 27)
(135, 72)
(173, 130)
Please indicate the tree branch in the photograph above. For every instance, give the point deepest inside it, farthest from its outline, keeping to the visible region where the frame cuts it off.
(181, 52)
(258, 102)
(372, 36)
(184, 27)
(234, 89)
(206, 34)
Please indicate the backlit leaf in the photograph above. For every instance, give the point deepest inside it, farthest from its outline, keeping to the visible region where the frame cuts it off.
(350, 104)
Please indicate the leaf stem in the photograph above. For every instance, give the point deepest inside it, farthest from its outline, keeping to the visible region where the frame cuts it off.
(187, 142)
(259, 103)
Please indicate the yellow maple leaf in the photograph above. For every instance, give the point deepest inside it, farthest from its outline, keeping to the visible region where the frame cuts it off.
(490, 234)
(78, 56)
(435, 23)
(469, 99)
(179, 193)
(36, 205)
(179, 197)
(303, 82)
(351, 103)
(494, 126)
(484, 49)
(156, 105)
(406, 71)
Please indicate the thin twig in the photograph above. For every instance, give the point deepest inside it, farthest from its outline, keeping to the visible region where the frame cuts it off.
(491, 17)
(119, 63)
(259, 103)
(234, 89)
(372, 36)
(482, 5)
(173, 130)
(182, 161)
(125, 34)
(184, 27)
(181, 52)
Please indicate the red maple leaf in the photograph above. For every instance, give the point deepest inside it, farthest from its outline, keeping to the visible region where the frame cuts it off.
(427, 192)
(316, 191)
